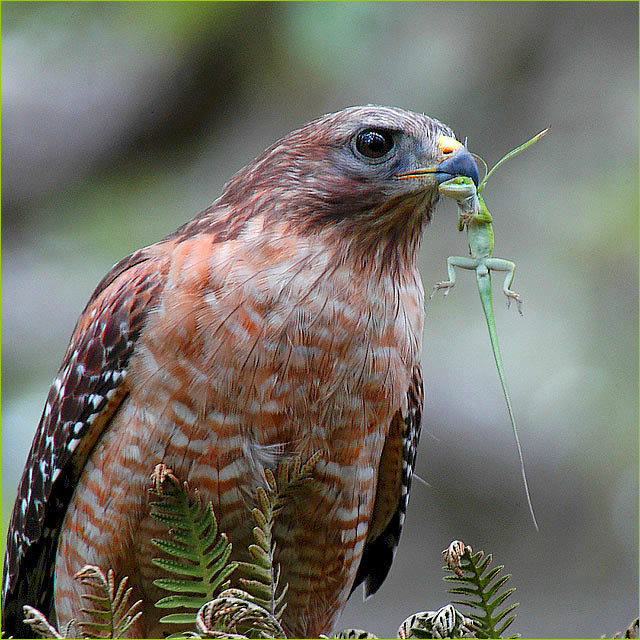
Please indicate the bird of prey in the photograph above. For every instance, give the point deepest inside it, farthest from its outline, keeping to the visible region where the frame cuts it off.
(284, 319)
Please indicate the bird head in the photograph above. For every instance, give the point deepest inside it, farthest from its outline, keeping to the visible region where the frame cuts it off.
(369, 174)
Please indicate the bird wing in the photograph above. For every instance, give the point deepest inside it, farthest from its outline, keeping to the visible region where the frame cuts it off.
(392, 493)
(87, 391)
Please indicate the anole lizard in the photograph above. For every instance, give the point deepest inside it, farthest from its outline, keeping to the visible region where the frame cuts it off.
(475, 217)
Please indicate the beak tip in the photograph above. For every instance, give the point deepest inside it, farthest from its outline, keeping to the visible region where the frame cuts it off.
(460, 164)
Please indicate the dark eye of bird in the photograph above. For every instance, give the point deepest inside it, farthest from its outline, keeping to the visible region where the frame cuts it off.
(374, 143)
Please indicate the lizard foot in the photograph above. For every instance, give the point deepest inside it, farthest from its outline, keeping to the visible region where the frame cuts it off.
(512, 295)
(447, 285)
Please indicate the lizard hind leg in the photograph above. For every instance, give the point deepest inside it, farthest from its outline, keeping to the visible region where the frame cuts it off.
(462, 262)
(500, 264)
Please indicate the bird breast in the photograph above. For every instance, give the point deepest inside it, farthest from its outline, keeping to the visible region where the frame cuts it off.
(254, 353)
(277, 332)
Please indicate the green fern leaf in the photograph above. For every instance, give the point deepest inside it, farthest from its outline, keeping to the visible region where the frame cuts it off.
(261, 576)
(178, 618)
(200, 554)
(482, 589)
(181, 586)
(501, 619)
(178, 601)
(175, 549)
(179, 568)
(494, 604)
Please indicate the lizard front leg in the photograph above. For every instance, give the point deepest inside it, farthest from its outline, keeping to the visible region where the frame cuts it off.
(452, 262)
(500, 264)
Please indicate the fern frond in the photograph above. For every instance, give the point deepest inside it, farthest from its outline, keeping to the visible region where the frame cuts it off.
(291, 474)
(43, 628)
(39, 623)
(261, 576)
(111, 614)
(481, 589)
(200, 554)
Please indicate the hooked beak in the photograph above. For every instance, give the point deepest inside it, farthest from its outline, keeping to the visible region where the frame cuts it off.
(457, 162)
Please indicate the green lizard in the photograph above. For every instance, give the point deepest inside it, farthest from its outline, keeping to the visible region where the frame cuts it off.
(475, 217)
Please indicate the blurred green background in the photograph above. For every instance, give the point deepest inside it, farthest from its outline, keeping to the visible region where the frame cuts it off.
(122, 120)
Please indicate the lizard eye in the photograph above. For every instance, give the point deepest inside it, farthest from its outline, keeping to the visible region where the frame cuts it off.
(374, 143)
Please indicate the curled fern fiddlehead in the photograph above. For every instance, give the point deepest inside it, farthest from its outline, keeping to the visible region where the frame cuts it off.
(446, 622)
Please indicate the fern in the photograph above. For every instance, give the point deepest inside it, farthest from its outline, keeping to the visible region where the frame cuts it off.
(446, 622)
(261, 575)
(255, 610)
(291, 475)
(111, 614)
(39, 623)
(234, 613)
(482, 590)
(202, 555)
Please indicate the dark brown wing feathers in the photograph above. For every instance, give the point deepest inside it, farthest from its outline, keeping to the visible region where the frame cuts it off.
(394, 484)
(85, 394)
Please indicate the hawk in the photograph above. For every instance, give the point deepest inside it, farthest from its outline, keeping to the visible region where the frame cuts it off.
(285, 318)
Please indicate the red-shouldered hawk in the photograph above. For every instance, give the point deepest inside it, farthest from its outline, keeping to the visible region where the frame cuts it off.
(285, 318)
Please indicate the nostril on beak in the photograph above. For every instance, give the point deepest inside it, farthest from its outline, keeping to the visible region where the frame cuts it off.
(448, 146)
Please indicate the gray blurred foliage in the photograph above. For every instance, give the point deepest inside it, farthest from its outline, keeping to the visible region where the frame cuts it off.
(123, 120)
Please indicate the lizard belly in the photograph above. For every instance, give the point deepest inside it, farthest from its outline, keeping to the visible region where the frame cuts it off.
(480, 242)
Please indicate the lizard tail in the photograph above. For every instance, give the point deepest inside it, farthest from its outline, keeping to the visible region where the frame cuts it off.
(486, 297)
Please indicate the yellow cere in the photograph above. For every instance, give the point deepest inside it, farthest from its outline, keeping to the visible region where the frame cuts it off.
(448, 145)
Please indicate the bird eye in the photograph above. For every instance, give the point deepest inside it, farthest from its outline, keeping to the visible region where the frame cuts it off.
(374, 143)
